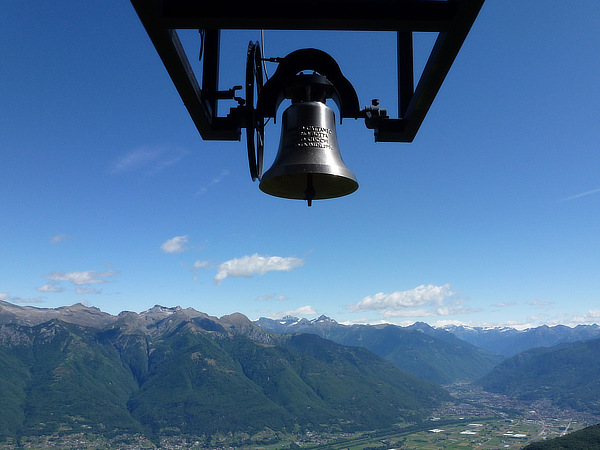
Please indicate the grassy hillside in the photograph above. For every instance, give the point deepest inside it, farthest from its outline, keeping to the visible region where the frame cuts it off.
(184, 375)
(568, 375)
(66, 378)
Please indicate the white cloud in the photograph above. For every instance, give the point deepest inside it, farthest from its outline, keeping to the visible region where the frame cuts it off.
(422, 301)
(582, 194)
(247, 266)
(593, 314)
(50, 287)
(540, 303)
(135, 159)
(411, 313)
(429, 312)
(83, 291)
(150, 159)
(5, 296)
(58, 238)
(590, 317)
(504, 304)
(175, 245)
(304, 311)
(26, 300)
(267, 297)
(214, 181)
(400, 300)
(82, 278)
(199, 264)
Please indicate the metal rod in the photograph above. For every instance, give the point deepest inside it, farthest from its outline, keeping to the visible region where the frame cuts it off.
(210, 70)
(309, 193)
(174, 58)
(406, 84)
(438, 65)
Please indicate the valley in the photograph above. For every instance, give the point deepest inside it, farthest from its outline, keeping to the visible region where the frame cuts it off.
(477, 419)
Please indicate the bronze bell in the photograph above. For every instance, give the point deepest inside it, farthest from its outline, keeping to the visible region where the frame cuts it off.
(308, 165)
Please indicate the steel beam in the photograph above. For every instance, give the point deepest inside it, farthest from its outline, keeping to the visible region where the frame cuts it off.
(452, 19)
(406, 15)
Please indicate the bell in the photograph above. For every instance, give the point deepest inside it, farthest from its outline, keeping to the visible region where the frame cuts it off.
(308, 165)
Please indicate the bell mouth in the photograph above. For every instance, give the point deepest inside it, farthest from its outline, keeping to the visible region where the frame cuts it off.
(309, 185)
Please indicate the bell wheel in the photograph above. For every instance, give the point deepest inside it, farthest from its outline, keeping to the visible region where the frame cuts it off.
(255, 127)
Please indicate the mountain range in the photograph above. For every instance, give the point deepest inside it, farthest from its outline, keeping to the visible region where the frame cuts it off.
(179, 372)
(508, 341)
(174, 371)
(442, 355)
(426, 352)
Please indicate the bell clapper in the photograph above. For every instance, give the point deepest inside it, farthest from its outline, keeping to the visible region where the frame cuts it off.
(309, 193)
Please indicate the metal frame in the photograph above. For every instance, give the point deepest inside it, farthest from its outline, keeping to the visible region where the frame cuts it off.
(452, 19)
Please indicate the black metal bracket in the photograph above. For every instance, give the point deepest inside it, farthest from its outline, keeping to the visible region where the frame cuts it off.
(451, 19)
(276, 89)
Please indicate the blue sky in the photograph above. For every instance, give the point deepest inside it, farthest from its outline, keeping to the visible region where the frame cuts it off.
(491, 216)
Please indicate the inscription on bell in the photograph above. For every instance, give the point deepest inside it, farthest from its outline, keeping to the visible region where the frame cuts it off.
(313, 136)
